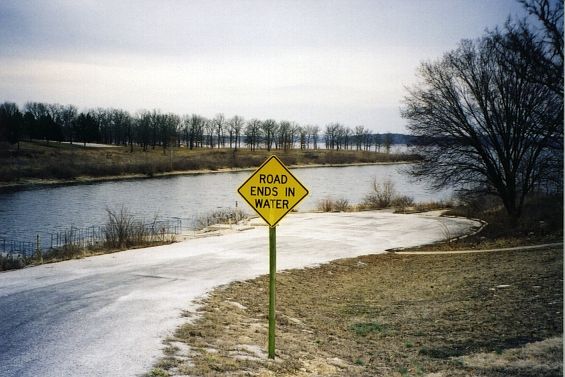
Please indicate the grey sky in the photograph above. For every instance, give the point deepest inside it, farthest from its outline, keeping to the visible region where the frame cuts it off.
(312, 62)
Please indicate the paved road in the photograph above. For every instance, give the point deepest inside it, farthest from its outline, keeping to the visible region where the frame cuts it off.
(107, 315)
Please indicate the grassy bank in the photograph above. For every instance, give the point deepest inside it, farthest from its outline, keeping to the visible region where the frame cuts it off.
(54, 161)
(385, 315)
(541, 222)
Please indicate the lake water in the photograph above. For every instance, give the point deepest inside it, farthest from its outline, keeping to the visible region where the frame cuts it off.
(26, 213)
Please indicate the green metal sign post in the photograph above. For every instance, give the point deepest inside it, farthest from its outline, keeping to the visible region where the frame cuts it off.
(272, 280)
(272, 191)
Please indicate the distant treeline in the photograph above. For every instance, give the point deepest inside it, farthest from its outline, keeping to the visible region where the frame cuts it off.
(151, 129)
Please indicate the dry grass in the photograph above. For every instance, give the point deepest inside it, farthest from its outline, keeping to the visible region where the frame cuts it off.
(540, 223)
(335, 205)
(221, 216)
(43, 160)
(386, 315)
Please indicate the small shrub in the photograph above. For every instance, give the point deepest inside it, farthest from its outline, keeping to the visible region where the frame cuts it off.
(384, 192)
(158, 372)
(11, 262)
(325, 205)
(122, 231)
(342, 205)
(119, 230)
(67, 251)
(384, 195)
(402, 202)
(365, 328)
(331, 205)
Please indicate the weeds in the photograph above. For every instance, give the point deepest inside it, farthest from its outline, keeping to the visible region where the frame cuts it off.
(11, 262)
(158, 372)
(401, 203)
(221, 216)
(446, 232)
(122, 230)
(325, 205)
(362, 329)
(433, 205)
(331, 205)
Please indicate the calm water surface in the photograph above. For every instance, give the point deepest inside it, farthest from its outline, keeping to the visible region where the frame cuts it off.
(23, 214)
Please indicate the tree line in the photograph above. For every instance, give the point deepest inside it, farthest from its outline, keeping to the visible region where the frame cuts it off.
(153, 129)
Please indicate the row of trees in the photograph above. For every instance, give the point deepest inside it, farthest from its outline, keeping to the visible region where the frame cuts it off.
(490, 113)
(151, 129)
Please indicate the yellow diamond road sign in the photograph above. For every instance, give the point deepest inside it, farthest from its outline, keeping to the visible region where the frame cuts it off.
(272, 191)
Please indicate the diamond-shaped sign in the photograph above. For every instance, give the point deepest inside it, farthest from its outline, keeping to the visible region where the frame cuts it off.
(272, 191)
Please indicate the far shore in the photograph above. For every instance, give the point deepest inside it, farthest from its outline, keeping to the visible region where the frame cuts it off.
(41, 164)
(38, 182)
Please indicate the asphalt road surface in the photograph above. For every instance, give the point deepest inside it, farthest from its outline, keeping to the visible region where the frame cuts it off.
(107, 315)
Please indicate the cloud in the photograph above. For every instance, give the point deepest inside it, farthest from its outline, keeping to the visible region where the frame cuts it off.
(300, 59)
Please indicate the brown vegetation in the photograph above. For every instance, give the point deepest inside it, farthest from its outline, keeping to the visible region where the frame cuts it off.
(384, 315)
(55, 161)
(541, 222)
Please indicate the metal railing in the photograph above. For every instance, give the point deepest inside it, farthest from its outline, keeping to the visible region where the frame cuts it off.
(13, 247)
(83, 238)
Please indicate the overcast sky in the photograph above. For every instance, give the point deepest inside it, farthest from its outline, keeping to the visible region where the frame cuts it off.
(313, 62)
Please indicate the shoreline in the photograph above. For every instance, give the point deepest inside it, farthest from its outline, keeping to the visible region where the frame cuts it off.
(31, 183)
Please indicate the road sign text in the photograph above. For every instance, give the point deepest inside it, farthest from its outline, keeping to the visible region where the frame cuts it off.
(272, 191)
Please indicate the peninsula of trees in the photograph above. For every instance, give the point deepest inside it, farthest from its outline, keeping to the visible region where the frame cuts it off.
(151, 129)
(49, 142)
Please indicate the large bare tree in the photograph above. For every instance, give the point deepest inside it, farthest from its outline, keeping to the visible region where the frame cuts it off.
(484, 126)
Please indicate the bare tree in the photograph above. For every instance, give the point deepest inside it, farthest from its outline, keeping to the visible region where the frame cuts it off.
(359, 132)
(387, 142)
(331, 135)
(286, 135)
(269, 128)
(11, 123)
(209, 128)
(236, 124)
(367, 140)
(194, 128)
(543, 48)
(219, 122)
(484, 127)
(253, 133)
(144, 129)
(67, 115)
(122, 133)
(315, 131)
